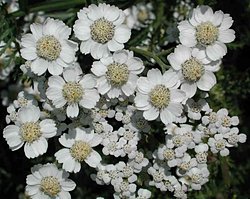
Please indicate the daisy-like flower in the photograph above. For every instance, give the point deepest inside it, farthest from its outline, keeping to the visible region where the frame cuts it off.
(233, 137)
(194, 108)
(79, 147)
(30, 132)
(139, 16)
(225, 122)
(158, 95)
(218, 144)
(193, 68)
(73, 90)
(48, 47)
(209, 30)
(48, 182)
(196, 177)
(117, 74)
(101, 29)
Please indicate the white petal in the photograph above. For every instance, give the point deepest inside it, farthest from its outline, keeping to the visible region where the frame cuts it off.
(189, 88)
(72, 110)
(88, 81)
(154, 76)
(151, 114)
(122, 33)
(93, 159)
(216, 51)
(226, 36)
(29, 114)
(36, 30)
(39, 66)
(207, 81)
(54, 68)
(48, 127)
(98, 68)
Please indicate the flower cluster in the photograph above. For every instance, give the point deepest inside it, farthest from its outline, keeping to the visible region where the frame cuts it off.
(149, 121)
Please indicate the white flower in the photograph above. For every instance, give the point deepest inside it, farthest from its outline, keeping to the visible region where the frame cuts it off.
(233, 137)
(143, 193)
(159, 172)
(30, 132)
(124, 187)
(48, 47)
(185, 164)
(193, 69)
(117, 74)
(218, 144)
(194, 108)
(201, 153)
(209, 30)
(196, 177)
(72, 90)
(167, 154)
(48, 182)
(157, 95)
(139, 16)
(101, 30)
(224, 122)
(137, 161)
(79, 147)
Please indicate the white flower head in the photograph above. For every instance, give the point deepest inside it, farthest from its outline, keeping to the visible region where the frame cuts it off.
(209, 30)
(79, 147)
(225, 122)
(233, 137)
(48, 47)
(117, 74)
(139, 16)
(196, 177)
(48, 182)
(143, 193)
(218, 144)
(194, 108)
(101, 29)
(193, 69)
(157, 95)
(74, 90)
(30, 132)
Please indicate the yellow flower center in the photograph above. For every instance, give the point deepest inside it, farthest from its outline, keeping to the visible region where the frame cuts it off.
(102, 30)
(30, 132)
(160, 96)
(72, 92)
(48, 47)
(142, 15)
(117, 74)
(169, 154)
(50, 186)
(192, 70)
(206, 33)
(80, 150)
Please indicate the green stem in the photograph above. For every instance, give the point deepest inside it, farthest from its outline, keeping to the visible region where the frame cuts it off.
(49, 6)
(165, 52)
(148, 55)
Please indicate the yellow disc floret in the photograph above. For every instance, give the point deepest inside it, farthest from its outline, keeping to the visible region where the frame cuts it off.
(160, 96)
(48, 47)
(102, 30)
(80, 150)
(206, 33)
(192, 70)
(72, 92)
(117, 74)
(30, 132)
(50, 186)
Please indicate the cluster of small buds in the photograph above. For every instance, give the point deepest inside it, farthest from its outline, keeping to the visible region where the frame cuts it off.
(112, 112)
